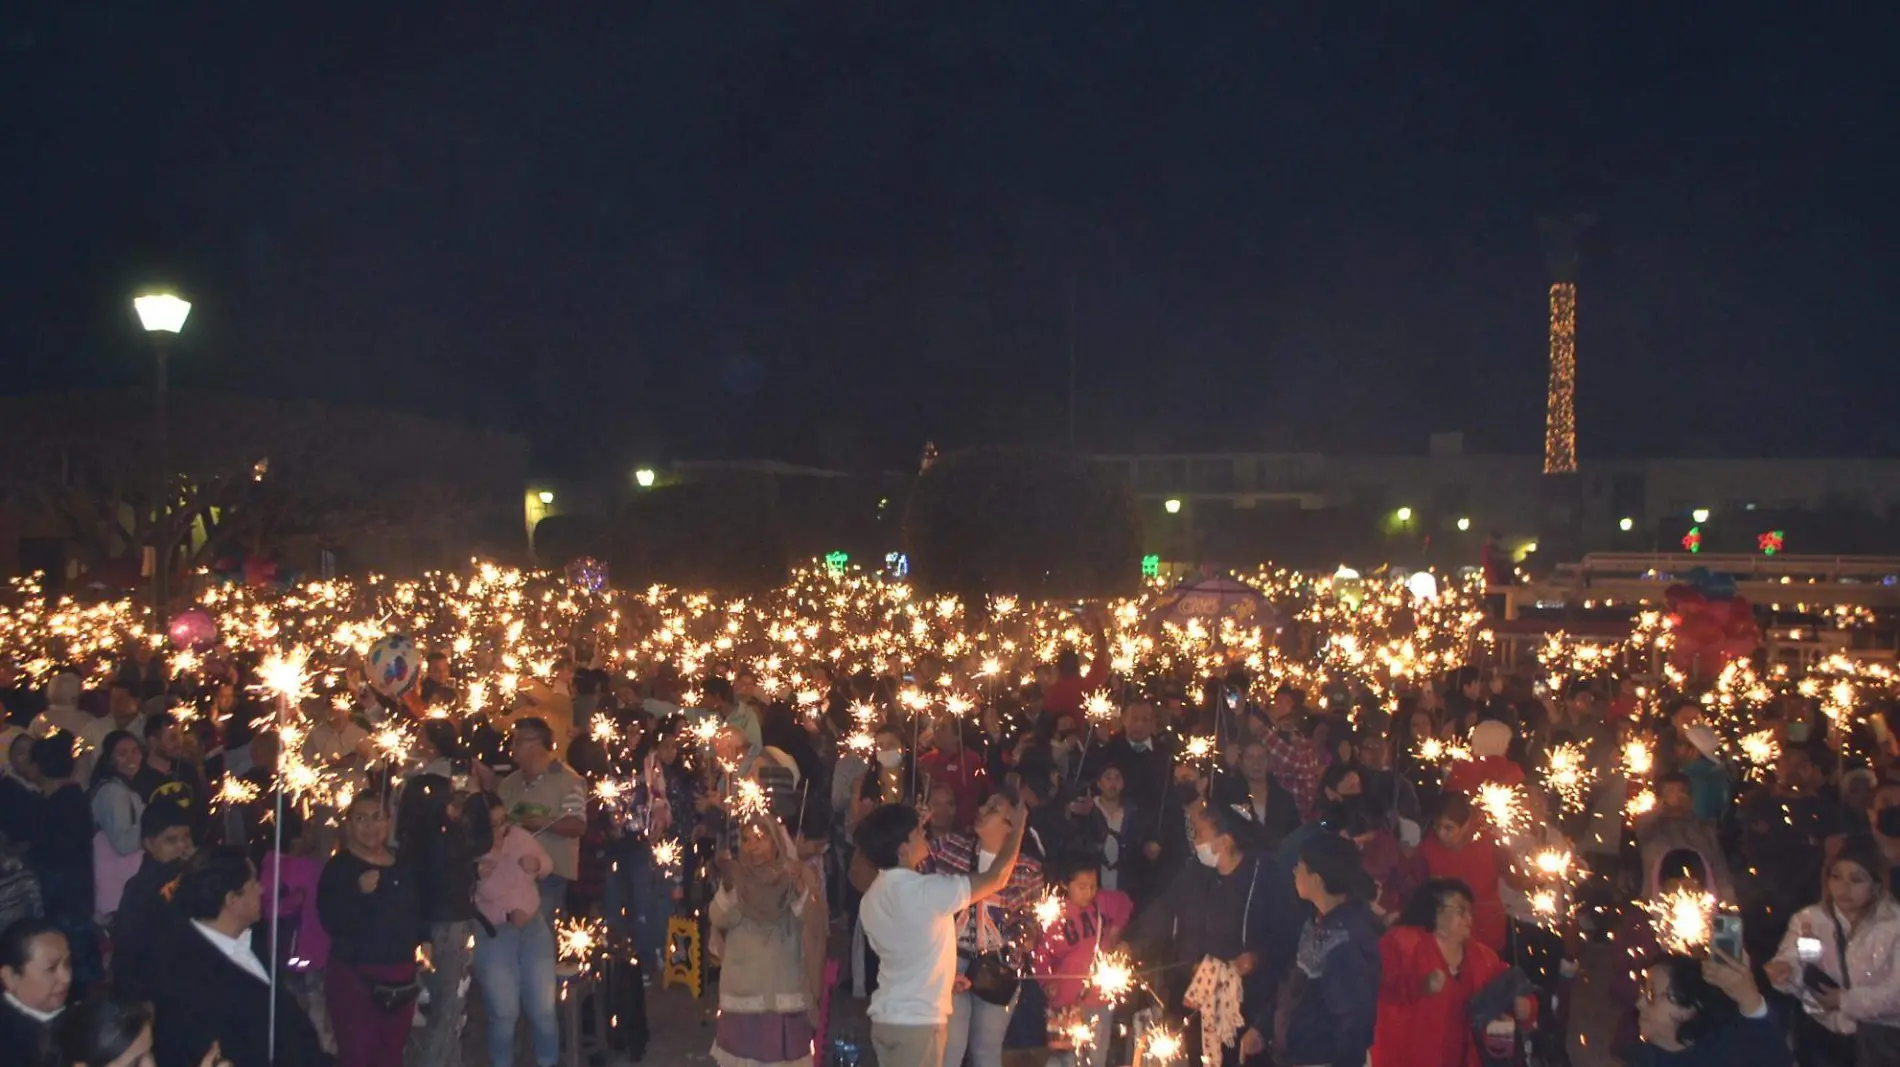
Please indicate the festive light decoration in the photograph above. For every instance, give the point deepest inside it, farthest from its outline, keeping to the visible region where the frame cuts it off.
(1151, 566)
(1771, 542)
(1560, 417)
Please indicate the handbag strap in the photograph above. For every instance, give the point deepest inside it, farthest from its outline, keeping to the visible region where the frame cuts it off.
(1840, 946)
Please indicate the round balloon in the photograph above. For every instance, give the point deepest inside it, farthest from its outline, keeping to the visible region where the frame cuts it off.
(588, 573)
(192, 628)
(392, 665)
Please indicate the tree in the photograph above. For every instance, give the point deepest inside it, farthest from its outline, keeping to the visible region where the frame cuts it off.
(1024, 521)
(250, 474)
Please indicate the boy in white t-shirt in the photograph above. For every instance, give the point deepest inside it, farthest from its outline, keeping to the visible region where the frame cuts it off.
(909, 919)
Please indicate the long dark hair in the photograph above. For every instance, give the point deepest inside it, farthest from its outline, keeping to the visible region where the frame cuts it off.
(106, 768)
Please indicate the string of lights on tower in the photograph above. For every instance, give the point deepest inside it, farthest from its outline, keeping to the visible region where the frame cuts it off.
(1560, 415)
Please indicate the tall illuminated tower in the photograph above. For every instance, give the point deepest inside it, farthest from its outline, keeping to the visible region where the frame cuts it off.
(1560, 401)
(1560, 534)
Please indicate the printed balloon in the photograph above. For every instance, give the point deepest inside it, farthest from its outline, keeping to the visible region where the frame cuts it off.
(392, 665)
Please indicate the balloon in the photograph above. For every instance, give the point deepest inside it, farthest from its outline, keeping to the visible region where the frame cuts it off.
(588, 573)
(392, 665)
(192, 628)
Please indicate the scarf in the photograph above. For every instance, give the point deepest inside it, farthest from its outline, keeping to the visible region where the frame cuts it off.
(767, 891)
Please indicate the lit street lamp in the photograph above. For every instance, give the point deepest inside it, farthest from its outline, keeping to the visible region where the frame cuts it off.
(644, 477)
(163, 316)
(1172, 506)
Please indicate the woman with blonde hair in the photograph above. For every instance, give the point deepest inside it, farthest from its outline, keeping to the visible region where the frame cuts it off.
(1841, 959)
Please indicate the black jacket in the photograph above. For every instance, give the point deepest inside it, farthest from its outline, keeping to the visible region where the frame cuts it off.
(22, 1038)
(1147, 774)
(138, 927)
(207, 997)
(439, 849)
(1206, 913)
(380, 928)
(1329, 1003)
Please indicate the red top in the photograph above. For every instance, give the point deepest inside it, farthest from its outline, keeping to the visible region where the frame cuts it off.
(1477, 865)
(965, 776)
(1417, 1029)
(1467, 776)
(1068, 948)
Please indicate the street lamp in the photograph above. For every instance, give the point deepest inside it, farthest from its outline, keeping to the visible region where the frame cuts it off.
(1464, 524)
(163, 316)
(546, 495)
(643, 477)
(1173, 506)
(1626, 524)
(1404, 514)
(1700, 514)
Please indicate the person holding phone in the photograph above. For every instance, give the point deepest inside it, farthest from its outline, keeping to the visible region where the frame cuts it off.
(1841, 959)
(1705, 1013)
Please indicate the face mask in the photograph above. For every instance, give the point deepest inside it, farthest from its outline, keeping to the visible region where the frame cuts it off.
(889, 758)
(1888, 821)
(1205, 853)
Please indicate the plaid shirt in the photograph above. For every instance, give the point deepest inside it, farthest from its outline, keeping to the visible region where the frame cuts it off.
(1295, 763)
(1009, 910)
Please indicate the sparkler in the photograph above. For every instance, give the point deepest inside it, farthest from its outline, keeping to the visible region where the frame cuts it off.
(1569, 774)
(1503, 806)
(234, 791)
(667, 854)
(576, 940)
(1683, 919)
(1099, 707)
(1113, 976)
(1199, 748)
(1638, 760)
(1048, 910)
(749, 800)
(1164, 1046)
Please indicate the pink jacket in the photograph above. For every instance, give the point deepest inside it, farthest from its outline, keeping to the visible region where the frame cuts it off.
(505, 884)
(1067, 952)
(299, 900)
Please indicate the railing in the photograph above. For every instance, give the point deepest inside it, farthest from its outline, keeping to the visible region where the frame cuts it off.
(1758, 568)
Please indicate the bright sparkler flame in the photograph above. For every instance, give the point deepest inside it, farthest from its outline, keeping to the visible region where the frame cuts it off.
(1099, 707)
(667, 853)
(1502, 806)
(1199, 748)
(1049, 909)
(286, 675)
(1113, 976)
(1683, 919)
(576, 940)
(1638, 760)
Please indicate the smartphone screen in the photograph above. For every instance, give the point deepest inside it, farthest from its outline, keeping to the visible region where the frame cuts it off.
(1808, 949)
(1727, 936)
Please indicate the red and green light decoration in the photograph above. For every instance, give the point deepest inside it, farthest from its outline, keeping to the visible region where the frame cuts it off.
(1692, 541)
(1772, 542)
(1151, 566)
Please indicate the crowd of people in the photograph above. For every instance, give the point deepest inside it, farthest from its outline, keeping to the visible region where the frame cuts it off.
(1084, 869)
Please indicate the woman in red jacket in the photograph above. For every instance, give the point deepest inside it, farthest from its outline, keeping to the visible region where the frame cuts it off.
(1431, 967)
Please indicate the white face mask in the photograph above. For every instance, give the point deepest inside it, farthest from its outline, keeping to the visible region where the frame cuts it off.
(889, 758)
(1205, 853)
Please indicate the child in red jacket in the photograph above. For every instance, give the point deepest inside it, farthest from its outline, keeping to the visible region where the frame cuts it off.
(1092, 922)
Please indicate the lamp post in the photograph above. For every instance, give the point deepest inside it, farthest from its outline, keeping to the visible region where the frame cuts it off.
(163, 316)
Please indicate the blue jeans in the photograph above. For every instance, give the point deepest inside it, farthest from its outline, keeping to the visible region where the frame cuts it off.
(516, 972)
(553, 895)
(978, 1026)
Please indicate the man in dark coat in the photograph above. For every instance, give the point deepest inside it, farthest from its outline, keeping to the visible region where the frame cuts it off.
(216, 987)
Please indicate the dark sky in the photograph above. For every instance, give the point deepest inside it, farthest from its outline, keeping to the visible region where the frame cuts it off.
(826, 232)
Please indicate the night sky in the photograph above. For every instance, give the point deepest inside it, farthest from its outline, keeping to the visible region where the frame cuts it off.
(826, 232)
